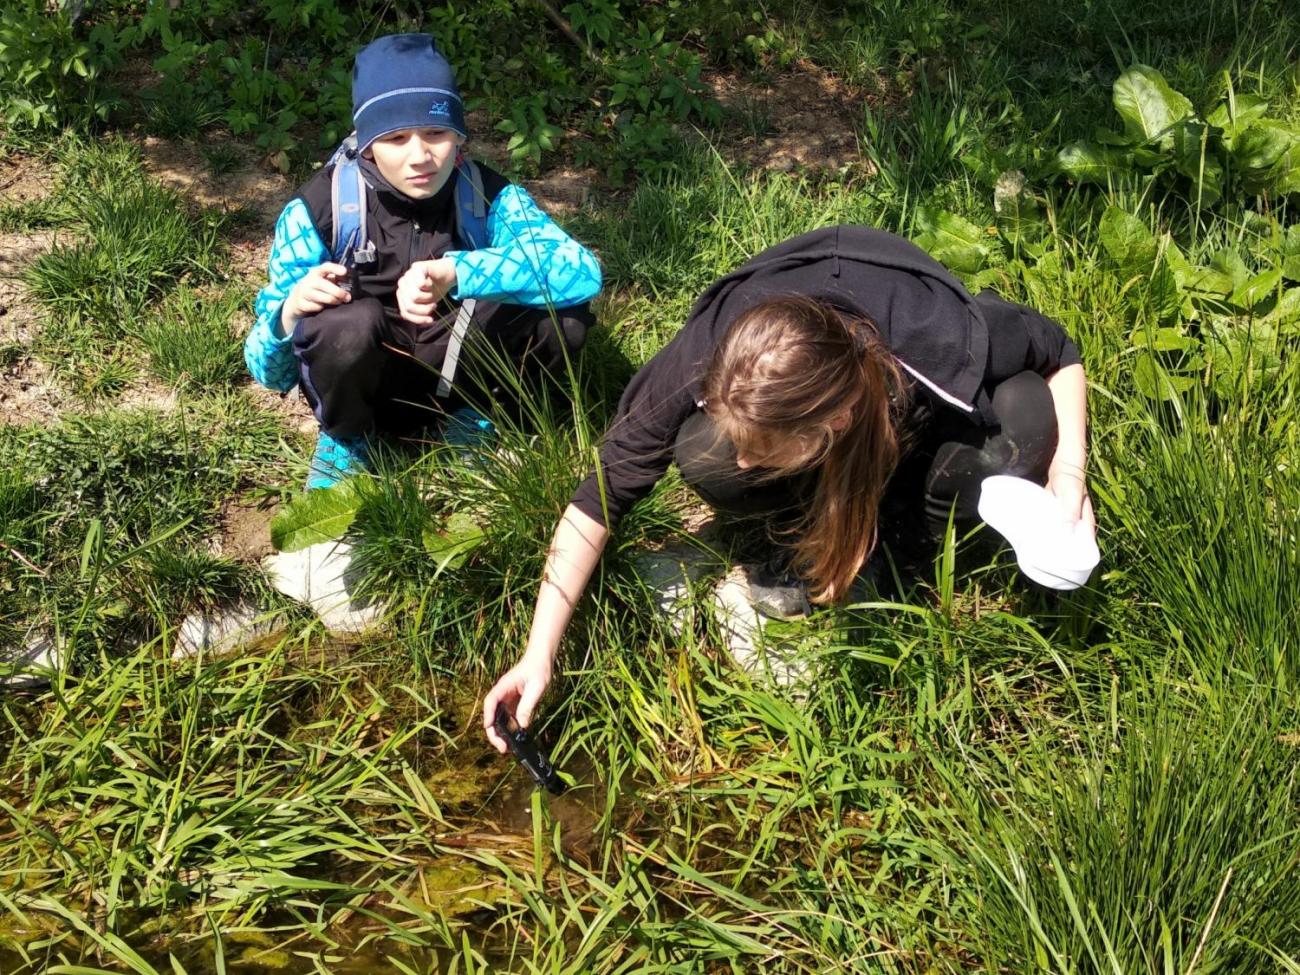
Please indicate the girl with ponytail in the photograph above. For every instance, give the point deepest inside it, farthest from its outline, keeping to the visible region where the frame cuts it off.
(834, 378)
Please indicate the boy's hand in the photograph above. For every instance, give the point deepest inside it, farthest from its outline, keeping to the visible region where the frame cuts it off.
(317, 291)
(421, 288)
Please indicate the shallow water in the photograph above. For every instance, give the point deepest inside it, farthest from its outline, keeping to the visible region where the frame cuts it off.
(488, 802)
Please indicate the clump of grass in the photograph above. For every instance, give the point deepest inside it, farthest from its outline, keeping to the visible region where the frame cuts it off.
(129, 240)
(1168, 846)
(91, 497)
(239, 786)
(915, 152)
(222, 157)
(514, 492)
(136, 239)
(680, 231)
(1209, 530)
(192, 338)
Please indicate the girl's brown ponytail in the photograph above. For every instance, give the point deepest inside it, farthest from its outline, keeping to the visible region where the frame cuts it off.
(793, 369)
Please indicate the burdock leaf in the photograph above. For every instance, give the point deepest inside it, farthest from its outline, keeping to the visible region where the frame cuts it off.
(1149, 107)
(321, 515)
(1129, 241)
(1236, 115)
(451, 547)
(952, 240)
(1268, 155)
(1088, 162)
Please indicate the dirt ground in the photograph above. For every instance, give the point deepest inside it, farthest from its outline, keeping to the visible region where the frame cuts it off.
(819, 134)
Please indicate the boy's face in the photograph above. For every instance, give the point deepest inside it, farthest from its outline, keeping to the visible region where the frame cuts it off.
(416, 162)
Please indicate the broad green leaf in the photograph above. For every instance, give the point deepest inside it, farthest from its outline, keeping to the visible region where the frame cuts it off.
(1195, 158)
(1211, 281)
(1137, 252)
(1156, 160)
(1229, 263)
(1164, 340)
(1254, 290)
(1291, 254)
(1156, 382)
(1108, 138)
(1146, 103)
(1263, 154)
(1129, 241)
(1240, 354)
(952, 240)
(1090, 163)
(451, 547)
(317, 516)
(1236, 114)
(1287, 310)
(1285, 177)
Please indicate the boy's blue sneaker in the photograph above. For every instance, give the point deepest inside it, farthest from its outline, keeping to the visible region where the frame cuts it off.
(335, 459)
(467, 429)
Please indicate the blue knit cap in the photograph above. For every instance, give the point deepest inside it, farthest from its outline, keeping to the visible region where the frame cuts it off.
(402, 82)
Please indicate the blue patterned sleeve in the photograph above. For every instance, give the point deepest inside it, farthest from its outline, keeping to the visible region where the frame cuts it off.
(296, 249)
(532, 261)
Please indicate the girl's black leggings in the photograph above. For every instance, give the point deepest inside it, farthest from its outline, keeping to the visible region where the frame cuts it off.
(940, 473)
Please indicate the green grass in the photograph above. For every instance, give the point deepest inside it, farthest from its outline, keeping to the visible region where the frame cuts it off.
(193, 341)
(125, 241)
(981, 778)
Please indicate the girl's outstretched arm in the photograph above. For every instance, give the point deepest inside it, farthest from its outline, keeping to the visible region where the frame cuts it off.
(1067, 475)
(575, 549)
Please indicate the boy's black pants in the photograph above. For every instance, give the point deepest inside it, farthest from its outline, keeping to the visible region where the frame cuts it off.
(365, 370)
(941, 471)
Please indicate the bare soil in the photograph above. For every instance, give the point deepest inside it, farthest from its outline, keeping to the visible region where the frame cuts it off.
(182, 166)
(18, 315)
(809, 121)
(23, 179)
(28, 391)
(245, 531)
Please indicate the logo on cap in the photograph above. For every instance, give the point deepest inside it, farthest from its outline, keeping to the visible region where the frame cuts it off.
(440, 108)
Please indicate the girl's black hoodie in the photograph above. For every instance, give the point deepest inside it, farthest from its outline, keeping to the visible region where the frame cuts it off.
(955, 346)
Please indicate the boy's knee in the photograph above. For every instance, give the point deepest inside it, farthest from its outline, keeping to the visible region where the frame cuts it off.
(1023, 398)
(564, 331)
(342, 334)
(574, 324)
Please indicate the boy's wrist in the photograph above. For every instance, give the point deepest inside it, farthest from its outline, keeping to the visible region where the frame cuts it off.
(286, 320)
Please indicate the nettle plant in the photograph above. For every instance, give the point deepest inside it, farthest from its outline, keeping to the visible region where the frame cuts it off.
(1236, 149)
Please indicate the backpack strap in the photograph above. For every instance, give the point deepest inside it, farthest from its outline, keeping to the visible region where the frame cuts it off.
(348, 206)
(471, 205)
(459, 329)
(471, 233)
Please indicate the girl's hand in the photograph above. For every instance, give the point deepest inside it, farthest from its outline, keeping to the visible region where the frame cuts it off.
(519, 689)
(316, 291)
(1066, 481)
(424, 284)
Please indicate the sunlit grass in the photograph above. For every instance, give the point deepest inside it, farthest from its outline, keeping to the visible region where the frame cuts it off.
(977, 777)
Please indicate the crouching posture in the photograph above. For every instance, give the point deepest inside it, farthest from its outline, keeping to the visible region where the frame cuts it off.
(844, 386)
(403, 272)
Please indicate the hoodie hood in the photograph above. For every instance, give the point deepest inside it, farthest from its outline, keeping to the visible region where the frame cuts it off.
(922, 312)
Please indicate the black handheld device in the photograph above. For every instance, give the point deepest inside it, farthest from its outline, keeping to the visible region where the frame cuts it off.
(527, 753)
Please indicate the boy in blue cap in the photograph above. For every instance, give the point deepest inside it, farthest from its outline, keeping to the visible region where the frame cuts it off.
(374, 337)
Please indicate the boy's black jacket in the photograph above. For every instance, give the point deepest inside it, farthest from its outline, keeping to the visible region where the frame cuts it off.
(403, 230)
(954, 345)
